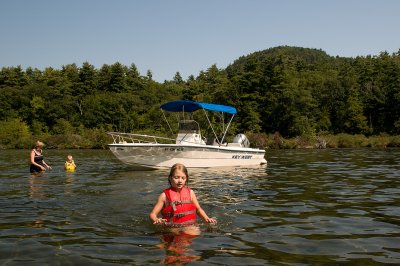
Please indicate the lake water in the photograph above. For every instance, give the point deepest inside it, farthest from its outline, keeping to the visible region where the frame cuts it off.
(307, 207)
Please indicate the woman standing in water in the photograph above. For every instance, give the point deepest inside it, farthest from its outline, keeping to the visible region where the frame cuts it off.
(178, 204)
(37, 163)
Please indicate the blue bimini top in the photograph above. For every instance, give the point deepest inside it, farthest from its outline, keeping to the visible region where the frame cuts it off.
(190, 106)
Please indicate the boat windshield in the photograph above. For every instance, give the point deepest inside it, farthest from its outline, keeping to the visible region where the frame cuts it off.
(188, 126)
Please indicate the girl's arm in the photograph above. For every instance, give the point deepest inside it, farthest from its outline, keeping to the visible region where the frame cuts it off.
(33, 157)
(156, 210)
(46, 165)
(200, 211)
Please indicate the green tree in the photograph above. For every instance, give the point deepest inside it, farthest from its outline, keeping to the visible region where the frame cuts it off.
(14, 133)
(134, 81)
(12, 77)
(104, 78)
(87, 80)
(117, 81)
(178, 78)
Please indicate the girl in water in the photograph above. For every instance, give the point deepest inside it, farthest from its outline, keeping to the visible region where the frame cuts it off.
(70, 164)
(37, 163)
(178, 204)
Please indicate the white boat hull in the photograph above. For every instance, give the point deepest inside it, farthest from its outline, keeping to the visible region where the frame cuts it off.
(144, 156)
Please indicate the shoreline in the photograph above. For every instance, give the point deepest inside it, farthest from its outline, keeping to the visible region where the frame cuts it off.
(257, 140)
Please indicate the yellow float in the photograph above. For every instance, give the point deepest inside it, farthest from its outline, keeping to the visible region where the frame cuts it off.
(69, 167)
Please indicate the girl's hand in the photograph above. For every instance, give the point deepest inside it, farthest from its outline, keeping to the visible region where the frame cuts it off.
(211, 220)
(42, 168)
(160, 221)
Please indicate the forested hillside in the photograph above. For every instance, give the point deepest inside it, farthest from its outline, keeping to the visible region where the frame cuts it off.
(291, 90)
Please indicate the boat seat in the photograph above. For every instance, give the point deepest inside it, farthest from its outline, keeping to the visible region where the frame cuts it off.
(234, 144)
(213, 142)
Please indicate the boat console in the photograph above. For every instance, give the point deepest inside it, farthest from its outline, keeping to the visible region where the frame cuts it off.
(189, 133)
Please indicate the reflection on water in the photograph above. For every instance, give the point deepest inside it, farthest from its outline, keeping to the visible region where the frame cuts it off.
(36, 183)
(306, 207)
(177, 248)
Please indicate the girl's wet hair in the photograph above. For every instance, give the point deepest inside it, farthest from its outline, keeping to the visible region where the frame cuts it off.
(181, 167)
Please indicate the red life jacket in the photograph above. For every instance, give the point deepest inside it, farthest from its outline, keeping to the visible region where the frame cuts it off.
(179, 207)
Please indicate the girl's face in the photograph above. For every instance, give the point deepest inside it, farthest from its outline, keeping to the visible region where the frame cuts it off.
(178, 179)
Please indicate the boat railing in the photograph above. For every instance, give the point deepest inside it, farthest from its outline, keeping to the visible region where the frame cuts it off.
(120, 138)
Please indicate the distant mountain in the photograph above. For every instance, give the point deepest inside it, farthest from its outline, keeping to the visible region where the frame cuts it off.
(295, 56)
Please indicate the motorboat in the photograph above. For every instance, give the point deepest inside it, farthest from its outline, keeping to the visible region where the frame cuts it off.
(190, 147)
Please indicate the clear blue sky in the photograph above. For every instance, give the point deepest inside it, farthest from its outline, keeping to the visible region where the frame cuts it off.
(167, 36)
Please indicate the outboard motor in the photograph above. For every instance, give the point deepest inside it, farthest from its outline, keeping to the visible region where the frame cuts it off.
(242, 140)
